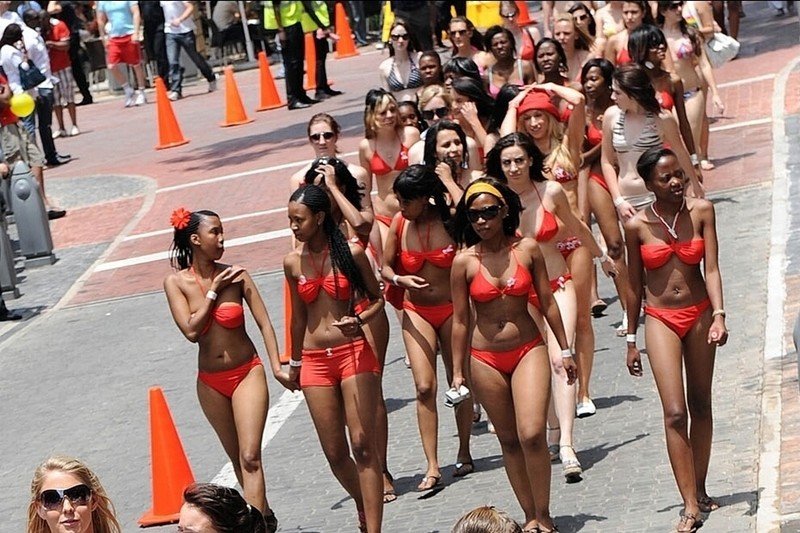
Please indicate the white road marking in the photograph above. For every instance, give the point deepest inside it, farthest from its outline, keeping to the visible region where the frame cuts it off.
(277, 415)
(161, 256)
(744, 124)
(768, 516)
(236, 175)
(745, 81)
(228, 219)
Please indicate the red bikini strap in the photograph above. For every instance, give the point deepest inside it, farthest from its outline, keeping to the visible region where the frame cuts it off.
(427, 244)
(197, 278)
(314, 263)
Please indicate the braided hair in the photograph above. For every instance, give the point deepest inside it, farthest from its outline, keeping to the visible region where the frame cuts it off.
(225, 508)
(494, 167)
(344, 178)
(318, 201)
(420, 181)
(181, 252)
(461, 229)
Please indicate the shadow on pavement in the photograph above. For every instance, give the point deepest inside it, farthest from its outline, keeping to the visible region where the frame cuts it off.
(720, 161)
(567, 524)
(592, 456)
(612, 401)
(395, 404)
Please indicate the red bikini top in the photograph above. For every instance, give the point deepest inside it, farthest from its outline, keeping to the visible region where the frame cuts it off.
(665, 99)
(594, 134)
(482, 290)
(337, 286)
(549, 226)
(413, 260)
(229, 315)
(623, 56)
(379, 167)
(656, 255)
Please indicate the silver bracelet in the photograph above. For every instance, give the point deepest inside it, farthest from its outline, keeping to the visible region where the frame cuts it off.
(211, 295)
(718, 312)
(566, 353)
(295, 363)
(602, 259)
(394, 279)
(618, 201)
(630, 337)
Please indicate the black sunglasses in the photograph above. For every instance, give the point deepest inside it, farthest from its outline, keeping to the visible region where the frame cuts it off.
(487, 213)
(459, 32)
(327, 135)
(581, 17)
(440, 112)
(675, 5)
(398, 36)
(53, 498)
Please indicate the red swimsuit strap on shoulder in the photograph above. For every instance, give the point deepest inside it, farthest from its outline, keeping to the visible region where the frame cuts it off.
(336, 285)
(548, 228)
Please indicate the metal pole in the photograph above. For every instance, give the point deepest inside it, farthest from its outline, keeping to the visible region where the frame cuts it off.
(251, 56)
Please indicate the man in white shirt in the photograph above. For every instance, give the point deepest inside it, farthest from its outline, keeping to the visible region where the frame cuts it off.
(179, 32)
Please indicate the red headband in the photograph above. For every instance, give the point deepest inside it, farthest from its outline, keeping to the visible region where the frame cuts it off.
(538, 100)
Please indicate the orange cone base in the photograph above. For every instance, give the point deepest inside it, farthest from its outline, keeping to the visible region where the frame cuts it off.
(237, 123)
(172, 144)
(150, 519)
(267, 108)
(337, 55)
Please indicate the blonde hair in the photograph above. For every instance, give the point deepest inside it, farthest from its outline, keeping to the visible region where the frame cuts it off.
(559, 155)
(377, 100)
(104, 518)
(434, 91)
(584, 41)
(486, 520)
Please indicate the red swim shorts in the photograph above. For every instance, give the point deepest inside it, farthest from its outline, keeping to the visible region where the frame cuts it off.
(123, 50)
(327, 367)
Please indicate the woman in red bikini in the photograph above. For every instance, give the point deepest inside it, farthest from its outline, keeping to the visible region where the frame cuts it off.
(634, 14)
(334, 293)
(549, 219)
(685, 318)
(524, 37)
(384, 153)
(493, 277)
(417, 258)
(205, 299)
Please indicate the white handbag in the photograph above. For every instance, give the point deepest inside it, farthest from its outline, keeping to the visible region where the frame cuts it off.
(721, 48)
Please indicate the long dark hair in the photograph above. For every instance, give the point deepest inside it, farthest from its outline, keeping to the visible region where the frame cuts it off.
(421, 181)
(344, 178)
(592, 24)
(225, 508)
(429, 156)
(11, 35)
(462, 67)
(461, 228)
(476, 40)
(634, 81)
(413, 45)
(642, 39)
(645, 7)
(606, 70)
(317, 200)
(474, 90)
(504, 96)
(649, 159)
(494, 168)
(494, 30)
(562, 55)
(181, 253)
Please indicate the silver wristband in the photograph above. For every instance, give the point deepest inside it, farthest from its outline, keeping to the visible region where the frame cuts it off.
(295, 363)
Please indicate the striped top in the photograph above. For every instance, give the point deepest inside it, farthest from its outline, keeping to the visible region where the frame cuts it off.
(648, 138)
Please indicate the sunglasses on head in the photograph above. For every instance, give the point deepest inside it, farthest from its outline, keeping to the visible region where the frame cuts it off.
(487, 213)
(53, 498)
(327, 135)
(399, 36)
(440, 112)
(458, 32)
(675, 5)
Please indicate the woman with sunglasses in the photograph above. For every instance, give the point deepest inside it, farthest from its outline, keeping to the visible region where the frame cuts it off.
(549, 218)
(684, 322)
(205, 299)
(687, 52)
(210, 508)
(334, 294)
(525, 39)
(577, 44)
(490, 282)
(67, 496)
(585, 21)
(467, 41)
(634, 14)
(399, 73)
(384, 153)
(596, 78)
(418, 255)
(505, 68)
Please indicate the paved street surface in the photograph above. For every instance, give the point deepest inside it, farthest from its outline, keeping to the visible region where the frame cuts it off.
(98, 334)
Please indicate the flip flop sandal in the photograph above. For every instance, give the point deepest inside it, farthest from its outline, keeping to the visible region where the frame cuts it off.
(598, 307)
(389, 495)
(707, 504)
(426, 485)
(696, 524)
(463, 469)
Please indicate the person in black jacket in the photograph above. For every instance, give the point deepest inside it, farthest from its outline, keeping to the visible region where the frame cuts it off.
(154, 44)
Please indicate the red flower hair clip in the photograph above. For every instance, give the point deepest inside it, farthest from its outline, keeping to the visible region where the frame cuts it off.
(179, 218)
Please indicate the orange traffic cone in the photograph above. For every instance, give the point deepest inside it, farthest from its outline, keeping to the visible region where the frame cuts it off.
(345, 47)
(234, 109)
(287, 323)
(524, 17)
(269, 94)
(169, 131)
(171, 472)
(311, 63)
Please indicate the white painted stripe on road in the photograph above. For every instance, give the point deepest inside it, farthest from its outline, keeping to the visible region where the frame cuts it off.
(744, 124)
(236, 175)
(161, 256)
(745, 81)
(228, 219)
(276, 417)
(768, 516)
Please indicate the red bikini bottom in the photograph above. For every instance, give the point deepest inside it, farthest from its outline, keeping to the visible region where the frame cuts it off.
(679, 320)
(435, 315)
(555, 284)
(383, 219)
(327, 367)
(600, 180)
(226, 381)
(508, 360)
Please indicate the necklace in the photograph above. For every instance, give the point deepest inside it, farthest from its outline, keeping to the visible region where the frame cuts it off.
(669, 227)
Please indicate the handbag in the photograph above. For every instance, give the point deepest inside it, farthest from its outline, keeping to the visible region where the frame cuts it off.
(721, 48)
(29, 74)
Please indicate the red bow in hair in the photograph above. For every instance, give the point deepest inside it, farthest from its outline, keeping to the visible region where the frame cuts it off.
(179, 218)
